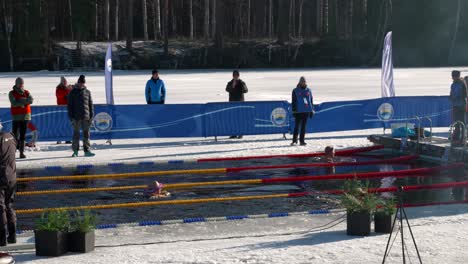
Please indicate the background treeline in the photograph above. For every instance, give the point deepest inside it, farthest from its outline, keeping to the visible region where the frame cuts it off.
(350, 32)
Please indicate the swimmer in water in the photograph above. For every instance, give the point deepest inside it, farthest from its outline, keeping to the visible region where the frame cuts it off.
(156, 191)
(329, 154)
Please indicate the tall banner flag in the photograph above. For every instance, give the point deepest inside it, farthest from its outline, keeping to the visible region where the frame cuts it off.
(388, 88)
(108, 76)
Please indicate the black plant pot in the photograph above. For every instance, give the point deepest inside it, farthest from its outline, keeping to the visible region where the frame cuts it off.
(81, 242)
(383, 223)
(50, 243)
(358, 223)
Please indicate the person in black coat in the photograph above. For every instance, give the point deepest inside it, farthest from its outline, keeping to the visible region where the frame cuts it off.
(236, 89)
(81, 113)
(7, 188)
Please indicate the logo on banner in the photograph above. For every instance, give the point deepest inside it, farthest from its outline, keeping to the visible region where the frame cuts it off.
(103, 122)
(109, 65)
(385, 112)
(279, 117)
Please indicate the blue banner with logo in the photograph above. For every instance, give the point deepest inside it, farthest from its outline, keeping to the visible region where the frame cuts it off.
(234, 119)
(379, 113)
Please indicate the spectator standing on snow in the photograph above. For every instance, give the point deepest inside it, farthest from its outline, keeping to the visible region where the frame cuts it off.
(458, 96)
(81, 113)
(61, 92)
(21, 101)
(303, 109)
(236, 89)
(155, 90)
(7, 188)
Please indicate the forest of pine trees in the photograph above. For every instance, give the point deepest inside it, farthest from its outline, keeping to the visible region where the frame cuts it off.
(30, 28)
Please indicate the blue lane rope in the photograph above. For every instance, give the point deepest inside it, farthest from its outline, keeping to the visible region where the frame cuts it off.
(208, 219)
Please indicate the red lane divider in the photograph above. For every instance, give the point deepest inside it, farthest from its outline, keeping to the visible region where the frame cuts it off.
(423, 172)
(444, 185)
(334, 164)
(347, 152)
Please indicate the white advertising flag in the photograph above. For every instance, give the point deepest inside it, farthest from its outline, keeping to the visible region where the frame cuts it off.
(388, 88)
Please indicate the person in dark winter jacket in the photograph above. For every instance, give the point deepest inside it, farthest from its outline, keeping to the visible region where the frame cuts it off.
(302, 108)
(236, 89)
(155, 90)
(81, 113)
(21, 101)
(7, 188)
(458, 96)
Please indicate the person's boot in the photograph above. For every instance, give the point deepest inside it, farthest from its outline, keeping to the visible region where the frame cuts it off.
(21, 149)
(11, 239)
(3, 237)
(303, 144)
(89, 154)
(75, 154)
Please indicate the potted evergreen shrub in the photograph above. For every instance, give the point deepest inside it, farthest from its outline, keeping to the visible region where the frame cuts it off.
(359, 204)
(51, 234)
(384, 214)
(82, 237)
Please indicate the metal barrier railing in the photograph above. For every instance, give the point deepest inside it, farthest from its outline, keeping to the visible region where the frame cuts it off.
(463, 136)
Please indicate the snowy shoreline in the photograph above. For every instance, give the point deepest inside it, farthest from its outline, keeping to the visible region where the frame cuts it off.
(440, 233)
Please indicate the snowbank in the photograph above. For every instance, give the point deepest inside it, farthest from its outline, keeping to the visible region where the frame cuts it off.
(441, 239)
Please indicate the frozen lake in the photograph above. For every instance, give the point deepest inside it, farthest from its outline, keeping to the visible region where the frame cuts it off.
(201, 86)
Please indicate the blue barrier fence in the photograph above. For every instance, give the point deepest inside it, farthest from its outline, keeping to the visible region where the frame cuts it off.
(225, 119)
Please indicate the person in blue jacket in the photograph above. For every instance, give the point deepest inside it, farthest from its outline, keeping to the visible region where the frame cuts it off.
(155, 90)
(458, 96)
(302, 108)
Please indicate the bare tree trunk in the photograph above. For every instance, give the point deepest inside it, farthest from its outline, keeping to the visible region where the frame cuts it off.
(213, 18)
(157, 19)
(219, 40)
(173, 18)
(71, 19)
(248, 17)
(270, 19)
(325, 17)
(44, 8)
(129, 43)
(319, 27)
(349, 21)
(166, 27)
(8, 28)
(106, 20)
(145, 19)
(301, 10)
(292, 18)
(206, 32)
(96, 21)
(116, 20)
(191, 18)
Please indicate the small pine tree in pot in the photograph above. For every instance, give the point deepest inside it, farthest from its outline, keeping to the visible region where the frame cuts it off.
(386, 209)
(82, 237)
(51, 234)
(359, 204)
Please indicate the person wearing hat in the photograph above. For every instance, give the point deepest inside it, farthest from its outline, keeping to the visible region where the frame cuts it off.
(21, 101)
(81, 113)
(458, 96)
(302, 108)
(236, 89)
(61, 93)
(7, 188)
(155, 90)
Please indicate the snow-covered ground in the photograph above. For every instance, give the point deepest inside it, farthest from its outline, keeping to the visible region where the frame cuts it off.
(201, 86)
(440, 234)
